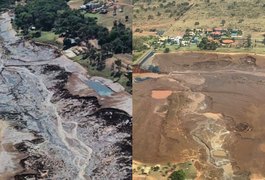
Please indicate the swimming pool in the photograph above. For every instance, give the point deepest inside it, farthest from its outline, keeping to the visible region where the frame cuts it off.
(101, 89)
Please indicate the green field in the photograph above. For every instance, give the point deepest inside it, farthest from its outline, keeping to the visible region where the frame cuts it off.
(47, 37)
(162, 171)
(91, 15)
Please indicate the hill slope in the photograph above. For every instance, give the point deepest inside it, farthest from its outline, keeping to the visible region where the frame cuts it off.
(176, 16)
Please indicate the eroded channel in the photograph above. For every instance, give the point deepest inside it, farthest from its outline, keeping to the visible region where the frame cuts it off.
(48, 132)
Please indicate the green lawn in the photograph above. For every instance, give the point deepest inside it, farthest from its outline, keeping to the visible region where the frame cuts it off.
(91, 15)
(47, 37)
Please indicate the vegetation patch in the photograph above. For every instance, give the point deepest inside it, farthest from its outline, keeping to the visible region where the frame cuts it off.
(47, 37)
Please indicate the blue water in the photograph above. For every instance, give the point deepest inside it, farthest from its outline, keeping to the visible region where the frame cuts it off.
(101, 89)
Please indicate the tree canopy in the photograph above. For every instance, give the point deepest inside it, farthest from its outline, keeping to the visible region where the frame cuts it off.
(55, 15)
(39, 13)
(206, 44)
(6, 3)
(177, 175)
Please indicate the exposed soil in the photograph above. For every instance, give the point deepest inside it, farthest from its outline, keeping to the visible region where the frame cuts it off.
(214, 116)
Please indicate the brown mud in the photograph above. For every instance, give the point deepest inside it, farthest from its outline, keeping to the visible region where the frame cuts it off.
(214, 116)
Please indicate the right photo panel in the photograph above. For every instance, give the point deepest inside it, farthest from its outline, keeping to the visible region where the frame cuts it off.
(199, 90)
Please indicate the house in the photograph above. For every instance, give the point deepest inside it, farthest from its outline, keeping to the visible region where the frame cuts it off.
(103, 11)
(33, 28)
(83, 7)
(185, 42)
(191, 33)
(92, 5)
(176, 39)
(73, 42)
(195, 40)
(208, 31)
(236, 33)
(216, 34)
(227, 41)
(218, 29)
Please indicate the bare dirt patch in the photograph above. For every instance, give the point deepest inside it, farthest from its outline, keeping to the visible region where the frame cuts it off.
(75, 4)
(161, 94)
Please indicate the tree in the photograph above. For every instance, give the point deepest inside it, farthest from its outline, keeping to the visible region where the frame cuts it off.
(40, 13)
(223, 22)
(150, 17)
(205, 44)
(177, 175)
(196, 23)
(121, 38)
(248, 43)
(166, 50)
(6, 3)
(129, 77)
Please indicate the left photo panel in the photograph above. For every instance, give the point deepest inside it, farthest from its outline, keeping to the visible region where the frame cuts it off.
(65, 89)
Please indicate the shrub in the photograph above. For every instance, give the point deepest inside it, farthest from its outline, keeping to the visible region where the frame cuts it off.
(177, 175)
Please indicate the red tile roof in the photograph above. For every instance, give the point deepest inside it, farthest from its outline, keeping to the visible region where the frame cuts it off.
(227, 41)
(217, 33)
(218, 29)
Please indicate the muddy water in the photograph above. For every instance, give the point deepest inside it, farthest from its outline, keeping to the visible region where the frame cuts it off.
(46, 132)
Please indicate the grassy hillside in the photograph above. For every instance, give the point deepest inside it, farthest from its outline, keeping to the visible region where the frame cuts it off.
(174, 16)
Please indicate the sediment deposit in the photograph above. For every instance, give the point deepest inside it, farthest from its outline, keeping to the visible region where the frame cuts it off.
(214, 116)
(52, 124)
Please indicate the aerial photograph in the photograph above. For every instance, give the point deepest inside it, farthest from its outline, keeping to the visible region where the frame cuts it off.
(198, 90)
(65, 89)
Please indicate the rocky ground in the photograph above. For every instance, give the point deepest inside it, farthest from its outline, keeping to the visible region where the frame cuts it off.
(212, 117)
(47, 129)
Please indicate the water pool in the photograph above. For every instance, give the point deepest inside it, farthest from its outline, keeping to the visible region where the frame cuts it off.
(101, 89)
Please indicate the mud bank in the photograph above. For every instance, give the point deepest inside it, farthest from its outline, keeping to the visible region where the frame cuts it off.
(170, 62)
(213, 118)
(50, 131)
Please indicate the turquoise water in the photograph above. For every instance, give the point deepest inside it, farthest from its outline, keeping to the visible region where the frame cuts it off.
(101, 89)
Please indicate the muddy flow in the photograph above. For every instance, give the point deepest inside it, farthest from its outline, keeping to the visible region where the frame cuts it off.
(212, 117)
(46, 132)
